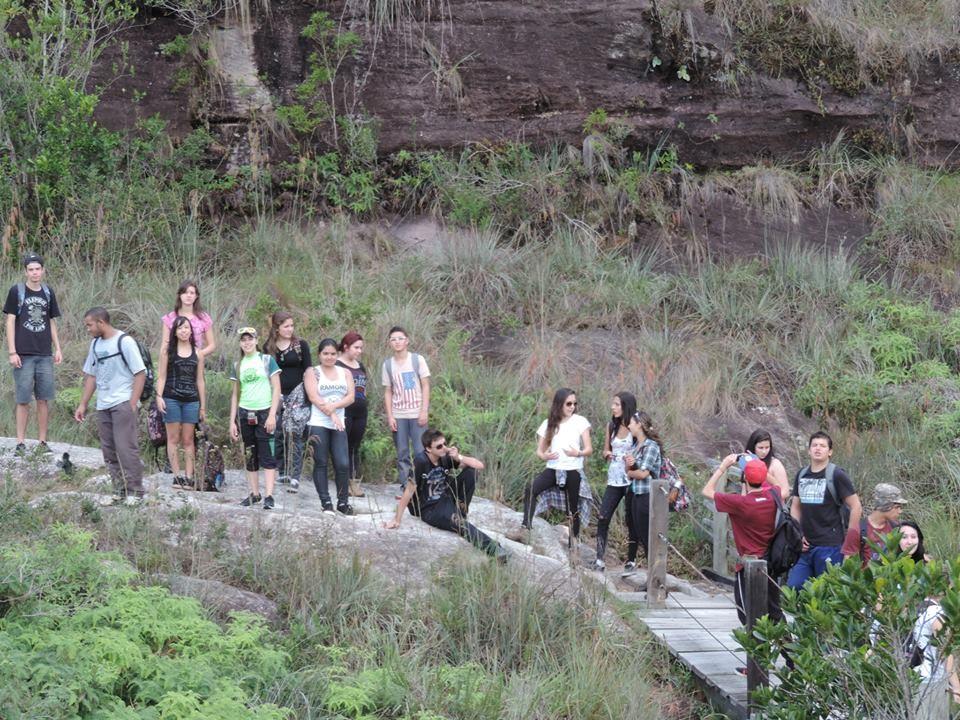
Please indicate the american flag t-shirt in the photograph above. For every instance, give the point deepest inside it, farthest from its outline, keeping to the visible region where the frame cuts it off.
(407, 390)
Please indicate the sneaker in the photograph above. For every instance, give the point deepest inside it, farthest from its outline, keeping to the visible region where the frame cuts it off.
(328, 507)
(249, 500)
(520, 535)
(283, 480)
(345, 509)
(268, 502)
(599, 565)
(20, 449)
(44, 448)
(629, 568)
(294, 485)
(178, 481)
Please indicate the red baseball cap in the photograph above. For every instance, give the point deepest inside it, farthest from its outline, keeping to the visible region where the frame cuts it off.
(755, 472)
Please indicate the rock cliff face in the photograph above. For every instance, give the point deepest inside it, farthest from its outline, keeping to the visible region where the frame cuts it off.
(491, 70)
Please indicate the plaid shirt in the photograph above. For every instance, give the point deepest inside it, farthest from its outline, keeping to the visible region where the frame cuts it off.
(650, 459)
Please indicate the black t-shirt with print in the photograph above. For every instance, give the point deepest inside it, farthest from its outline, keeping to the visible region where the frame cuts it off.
(821, 517)
(433, 481)
(292, 366)
(359, 406)
(32, 334)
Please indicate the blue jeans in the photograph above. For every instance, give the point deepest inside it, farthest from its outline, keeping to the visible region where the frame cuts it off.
(408, 434)
(813, 563)
(326, 441)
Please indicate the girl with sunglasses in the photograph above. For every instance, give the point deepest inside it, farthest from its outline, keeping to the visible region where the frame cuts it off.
(563, 442)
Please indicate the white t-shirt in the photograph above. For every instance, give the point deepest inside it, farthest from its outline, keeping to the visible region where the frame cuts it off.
(931, 669)
(330, 391)
(114, 376)
(567, 436)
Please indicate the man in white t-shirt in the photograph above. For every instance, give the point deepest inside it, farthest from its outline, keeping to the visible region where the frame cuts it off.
(405, 377)
(115, 370)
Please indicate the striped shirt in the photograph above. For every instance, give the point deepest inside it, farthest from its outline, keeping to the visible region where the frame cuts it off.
(406, 385)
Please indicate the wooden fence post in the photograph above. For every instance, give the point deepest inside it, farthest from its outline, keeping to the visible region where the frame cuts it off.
(755, 602)
(657, 545)
(720, 534)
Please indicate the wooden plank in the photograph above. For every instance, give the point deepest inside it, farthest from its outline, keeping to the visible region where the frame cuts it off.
(699, 613)
(657, 544)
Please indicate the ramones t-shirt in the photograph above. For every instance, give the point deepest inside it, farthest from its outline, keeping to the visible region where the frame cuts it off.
(821, 517)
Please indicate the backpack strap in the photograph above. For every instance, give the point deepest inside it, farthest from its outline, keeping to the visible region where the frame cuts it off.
(831, 484)
(388, 366)
(415, 361)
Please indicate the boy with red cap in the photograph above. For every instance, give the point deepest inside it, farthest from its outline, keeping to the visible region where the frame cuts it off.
(752, 518)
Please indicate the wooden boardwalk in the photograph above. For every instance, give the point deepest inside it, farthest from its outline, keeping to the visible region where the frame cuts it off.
(698, 634)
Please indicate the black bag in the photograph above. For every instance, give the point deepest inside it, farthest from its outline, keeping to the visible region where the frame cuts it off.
(786, 545)
(913, 652)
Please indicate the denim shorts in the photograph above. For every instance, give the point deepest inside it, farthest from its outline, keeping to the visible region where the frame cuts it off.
(179, 411)
(34, 379)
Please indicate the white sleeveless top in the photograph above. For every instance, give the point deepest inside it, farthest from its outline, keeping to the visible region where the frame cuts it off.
(331, 391)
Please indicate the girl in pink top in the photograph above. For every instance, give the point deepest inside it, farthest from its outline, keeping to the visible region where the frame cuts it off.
(188, 305)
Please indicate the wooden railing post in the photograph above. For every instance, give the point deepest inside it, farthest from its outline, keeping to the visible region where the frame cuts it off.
(720, 534)
(657, 545)
(755, 607)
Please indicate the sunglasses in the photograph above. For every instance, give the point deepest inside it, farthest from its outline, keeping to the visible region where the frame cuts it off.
(570, 403)
(440, 446)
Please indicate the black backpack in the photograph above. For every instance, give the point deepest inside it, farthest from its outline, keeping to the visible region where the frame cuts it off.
(149, 384)
(912, 652)
(786, 545)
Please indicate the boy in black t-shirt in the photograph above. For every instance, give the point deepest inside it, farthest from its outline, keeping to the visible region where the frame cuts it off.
(828, 537)
(33, 347)
(440, 498)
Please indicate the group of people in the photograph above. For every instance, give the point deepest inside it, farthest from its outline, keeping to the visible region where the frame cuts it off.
(282, 401)
(834, 527)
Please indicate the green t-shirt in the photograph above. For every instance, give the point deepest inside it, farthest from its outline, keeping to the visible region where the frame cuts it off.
(254, 373)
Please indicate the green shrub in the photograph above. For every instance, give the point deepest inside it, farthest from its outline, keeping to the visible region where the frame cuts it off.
(829, 636)
(849, 398)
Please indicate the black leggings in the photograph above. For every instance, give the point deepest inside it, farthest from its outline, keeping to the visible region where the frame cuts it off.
(546, 480)
(356, 426)
(450, 512)
(640, 512)
(608, 507)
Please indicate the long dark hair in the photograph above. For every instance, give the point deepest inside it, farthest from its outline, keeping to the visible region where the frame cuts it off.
(326, 342)
(181, 290)
(758, 436)
(628, 406)
(919, 551)
(556, 412)
(174, 340)
(276, 320)
(646, 424)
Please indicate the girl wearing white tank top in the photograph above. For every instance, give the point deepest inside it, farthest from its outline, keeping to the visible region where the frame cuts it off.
(330, 389)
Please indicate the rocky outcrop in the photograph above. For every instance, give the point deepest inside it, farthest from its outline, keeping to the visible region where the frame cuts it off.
(221, 597)
(488, 70)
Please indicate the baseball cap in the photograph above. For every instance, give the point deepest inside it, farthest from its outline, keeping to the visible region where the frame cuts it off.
(885, 494)
(32, 258)
(252, 332)
(755, 472)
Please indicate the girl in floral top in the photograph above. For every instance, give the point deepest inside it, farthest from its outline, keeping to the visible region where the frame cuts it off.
(617, 443)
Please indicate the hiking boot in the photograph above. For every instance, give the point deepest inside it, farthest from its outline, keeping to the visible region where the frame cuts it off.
(520, 535)
(599, 565)
(268, 502)
(44, 448)
(20, 450)
(294, 485)
(249, 500)
(179, 481)
(345, 509)
(355, 489)
(327, 507)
